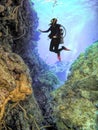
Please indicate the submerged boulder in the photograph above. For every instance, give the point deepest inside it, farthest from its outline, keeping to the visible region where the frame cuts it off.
(76, 103)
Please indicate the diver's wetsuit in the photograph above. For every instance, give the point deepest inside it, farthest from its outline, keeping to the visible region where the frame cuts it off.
(55, 38)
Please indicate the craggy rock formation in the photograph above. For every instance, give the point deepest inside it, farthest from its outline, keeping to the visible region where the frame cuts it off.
(17, 105)
(25, 44)
(76, 103)
(18, 23)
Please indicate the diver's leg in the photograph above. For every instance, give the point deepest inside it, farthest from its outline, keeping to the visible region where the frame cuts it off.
(60, 49)
(51, 46)
(57, 51)
(64, 48)
(56, 46)
(58, 56)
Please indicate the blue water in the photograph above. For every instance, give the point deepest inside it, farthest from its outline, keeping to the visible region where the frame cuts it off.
(80, 20)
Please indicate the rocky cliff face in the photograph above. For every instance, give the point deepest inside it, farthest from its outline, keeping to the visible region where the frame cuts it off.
(18, 107)
(17, 104)
(18, 36)
(25, 44)
(76, 103)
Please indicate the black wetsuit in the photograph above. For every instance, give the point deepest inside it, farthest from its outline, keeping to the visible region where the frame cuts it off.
(55, 37)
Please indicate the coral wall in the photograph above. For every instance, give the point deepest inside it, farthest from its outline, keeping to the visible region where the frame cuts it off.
(76, 103)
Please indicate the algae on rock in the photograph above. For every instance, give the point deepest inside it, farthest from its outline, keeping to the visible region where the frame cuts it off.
(18, 107)
(76, 101)
(16, 99)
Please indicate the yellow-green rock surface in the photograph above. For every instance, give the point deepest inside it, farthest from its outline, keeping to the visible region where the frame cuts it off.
(76, 102)
(18, 107)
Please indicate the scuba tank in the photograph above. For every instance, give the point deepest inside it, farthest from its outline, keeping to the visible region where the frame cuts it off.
(62, 34)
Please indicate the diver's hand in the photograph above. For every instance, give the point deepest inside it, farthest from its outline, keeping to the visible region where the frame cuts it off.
(40, 30)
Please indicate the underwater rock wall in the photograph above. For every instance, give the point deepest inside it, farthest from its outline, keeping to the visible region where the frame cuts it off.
(76, 103)
(18, 107)
(26, 47)
(18, 23)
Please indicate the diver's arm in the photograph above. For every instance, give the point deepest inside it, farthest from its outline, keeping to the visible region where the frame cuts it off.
(44, 31)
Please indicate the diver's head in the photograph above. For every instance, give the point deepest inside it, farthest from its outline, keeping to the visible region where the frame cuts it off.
(53, 21)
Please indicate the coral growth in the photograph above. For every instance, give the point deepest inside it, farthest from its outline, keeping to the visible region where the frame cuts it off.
(16, 95)
(18, 107)
(75, 102)
(15, 81)
(1, 8)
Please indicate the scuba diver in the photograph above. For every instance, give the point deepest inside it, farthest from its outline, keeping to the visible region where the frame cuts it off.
(56, 36)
